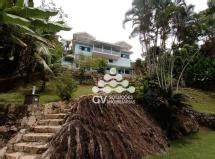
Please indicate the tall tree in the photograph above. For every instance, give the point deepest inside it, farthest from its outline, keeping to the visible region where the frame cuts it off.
(162, 26)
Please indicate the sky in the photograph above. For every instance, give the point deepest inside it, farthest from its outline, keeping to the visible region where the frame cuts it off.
(103, 19)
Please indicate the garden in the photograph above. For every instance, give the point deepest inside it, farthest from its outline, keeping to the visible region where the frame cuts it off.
(174, 111)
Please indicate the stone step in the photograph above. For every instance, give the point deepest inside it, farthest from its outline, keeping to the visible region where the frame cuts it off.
(52, 122)
(37, 137)
(31, 147)
(46, 129)
(21, 155)
(55, 116)
(66, 110)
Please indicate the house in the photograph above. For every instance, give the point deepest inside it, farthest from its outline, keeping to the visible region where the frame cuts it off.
(116, 54)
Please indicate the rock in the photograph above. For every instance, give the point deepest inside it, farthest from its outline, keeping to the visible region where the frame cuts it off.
(18, 137)
(55, 105)
(11, 116)
(48, 108)
(204, 119)
(13, 128)
(188, 124)
(28, 121)
(3, 129)
(2, 152)
(12, 108)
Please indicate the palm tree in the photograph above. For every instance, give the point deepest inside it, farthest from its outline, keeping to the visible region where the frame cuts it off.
(211, 3)
(186, 23)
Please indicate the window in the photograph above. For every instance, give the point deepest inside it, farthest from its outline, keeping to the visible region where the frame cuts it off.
(125, 56)
(110, 61)
(83, 48)
(68, 59)
(127, 72)
(119, 71)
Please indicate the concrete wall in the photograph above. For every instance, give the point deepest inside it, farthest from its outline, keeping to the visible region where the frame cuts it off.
(78, 51)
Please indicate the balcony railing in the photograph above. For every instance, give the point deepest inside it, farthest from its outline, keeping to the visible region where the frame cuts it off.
(109, 54)
(96, 49)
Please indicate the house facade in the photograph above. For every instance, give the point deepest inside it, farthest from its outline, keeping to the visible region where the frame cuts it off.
(117, 54)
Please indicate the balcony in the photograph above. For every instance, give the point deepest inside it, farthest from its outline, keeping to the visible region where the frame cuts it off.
(105, 53)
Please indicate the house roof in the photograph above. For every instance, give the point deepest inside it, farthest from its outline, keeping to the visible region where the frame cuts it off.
(85, 37)
(124, 45)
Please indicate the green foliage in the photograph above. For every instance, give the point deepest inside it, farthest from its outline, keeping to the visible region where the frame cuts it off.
(99, 64)
(195, 146)
(65, 87)
(139, 67)
(207, 22)
(201, 73)
(182, 56)
(49, 95)
(164, 105)
(142, 85)
(28, 40)
(31, 12)
(200, 100)
(94, 63)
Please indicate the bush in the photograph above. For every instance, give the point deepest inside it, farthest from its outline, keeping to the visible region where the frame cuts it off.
(65, 87)
(201, 73)
(163, 105)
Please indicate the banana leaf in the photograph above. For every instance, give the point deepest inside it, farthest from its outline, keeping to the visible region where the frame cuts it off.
(39, 38)
(18, 41)
(43, 63)
(13, 19)
(30, 12)
(49, 27)
(24, 29)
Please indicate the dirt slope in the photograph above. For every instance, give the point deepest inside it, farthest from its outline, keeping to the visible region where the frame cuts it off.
(105, 131)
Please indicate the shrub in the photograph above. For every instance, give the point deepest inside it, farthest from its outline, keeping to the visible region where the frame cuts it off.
(201, 73)
(65, 87)
(163, 105)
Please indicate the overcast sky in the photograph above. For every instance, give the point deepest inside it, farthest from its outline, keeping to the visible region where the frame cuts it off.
(103, 19)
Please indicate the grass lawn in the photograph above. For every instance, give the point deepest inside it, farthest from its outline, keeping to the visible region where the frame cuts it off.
(49, 95)
(83, 90)
(200, 145)
(201, 100)
(197, 146)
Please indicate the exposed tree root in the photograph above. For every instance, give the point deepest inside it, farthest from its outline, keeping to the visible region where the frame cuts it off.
(106, 131)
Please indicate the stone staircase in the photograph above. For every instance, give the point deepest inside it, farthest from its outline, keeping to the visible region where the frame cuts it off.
(35, 142)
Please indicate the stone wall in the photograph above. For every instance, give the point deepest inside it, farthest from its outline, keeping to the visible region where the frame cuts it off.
(15, 117)
(204, 119)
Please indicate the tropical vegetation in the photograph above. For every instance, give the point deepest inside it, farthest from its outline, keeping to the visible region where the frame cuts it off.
(170, 32)
(28, 44)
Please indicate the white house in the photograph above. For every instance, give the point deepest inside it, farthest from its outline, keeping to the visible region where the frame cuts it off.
(116, 54)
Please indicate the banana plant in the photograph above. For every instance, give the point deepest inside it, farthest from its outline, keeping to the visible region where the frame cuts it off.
(31, 21)
(25, 28)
